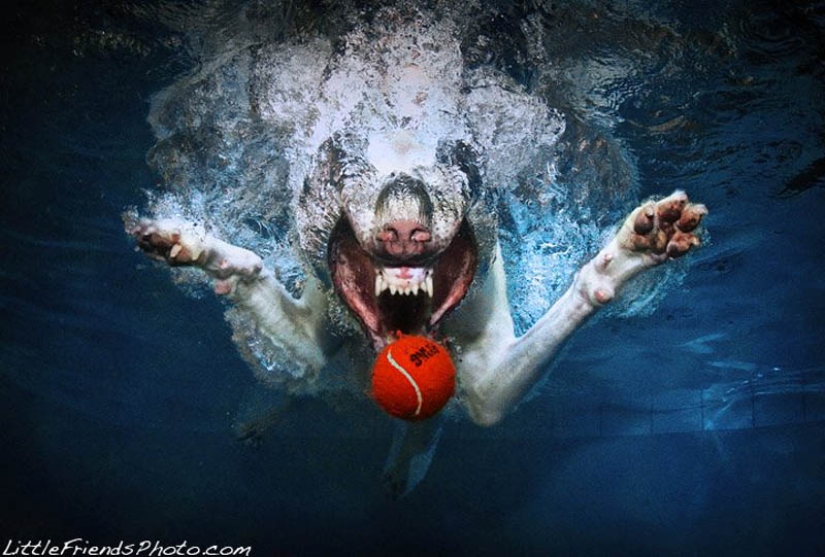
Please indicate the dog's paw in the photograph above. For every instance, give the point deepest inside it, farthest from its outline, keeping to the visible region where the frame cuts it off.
(180, 244)
(663, 229)
(171, 241)
(652, 234)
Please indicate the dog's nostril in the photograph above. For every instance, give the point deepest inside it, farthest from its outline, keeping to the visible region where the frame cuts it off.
(404, 231)
(421, 235)
(388, 235)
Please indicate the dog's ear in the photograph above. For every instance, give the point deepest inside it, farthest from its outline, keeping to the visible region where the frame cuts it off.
(465, 158)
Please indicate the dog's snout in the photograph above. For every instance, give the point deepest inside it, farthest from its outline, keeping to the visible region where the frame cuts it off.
(404, 238)
(403, 212)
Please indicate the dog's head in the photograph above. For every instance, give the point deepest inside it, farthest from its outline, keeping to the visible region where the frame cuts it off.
(400, 248)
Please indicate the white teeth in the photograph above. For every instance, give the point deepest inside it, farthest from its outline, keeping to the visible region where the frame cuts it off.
(379, 284)
(404, 281)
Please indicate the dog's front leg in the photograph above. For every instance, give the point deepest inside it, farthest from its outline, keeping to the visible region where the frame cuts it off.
(497, 369)
(296, 327)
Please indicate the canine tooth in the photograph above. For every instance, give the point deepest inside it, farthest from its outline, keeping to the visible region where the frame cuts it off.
(378, 285)
(428, 285)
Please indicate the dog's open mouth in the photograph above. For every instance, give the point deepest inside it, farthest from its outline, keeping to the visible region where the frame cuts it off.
(411, 296)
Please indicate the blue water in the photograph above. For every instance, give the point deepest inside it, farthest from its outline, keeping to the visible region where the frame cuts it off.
(697, 429)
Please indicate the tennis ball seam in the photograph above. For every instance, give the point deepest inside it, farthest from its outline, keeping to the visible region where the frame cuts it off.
(409, 378)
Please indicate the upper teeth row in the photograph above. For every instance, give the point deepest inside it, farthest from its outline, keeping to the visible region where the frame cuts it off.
(420, 280)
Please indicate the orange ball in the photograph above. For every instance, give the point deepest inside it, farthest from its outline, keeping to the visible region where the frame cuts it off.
(413, 378)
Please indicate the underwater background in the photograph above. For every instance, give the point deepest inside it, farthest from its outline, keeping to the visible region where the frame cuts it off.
(697, 428)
